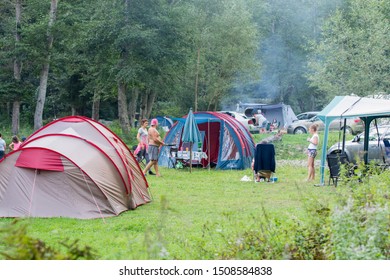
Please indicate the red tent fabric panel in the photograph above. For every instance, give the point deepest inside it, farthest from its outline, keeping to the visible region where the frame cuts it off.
(72, 119)
(40, 159)
(215, 129)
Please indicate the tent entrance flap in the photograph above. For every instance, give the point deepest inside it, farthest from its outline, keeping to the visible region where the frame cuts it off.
(40, 159)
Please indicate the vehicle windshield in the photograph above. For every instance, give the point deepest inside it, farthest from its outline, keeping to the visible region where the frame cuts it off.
(382, 131)
(302, 117)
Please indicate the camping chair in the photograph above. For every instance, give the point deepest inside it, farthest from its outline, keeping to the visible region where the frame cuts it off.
(172, 157)
(334, 163)
(264, 162)
(386, 142)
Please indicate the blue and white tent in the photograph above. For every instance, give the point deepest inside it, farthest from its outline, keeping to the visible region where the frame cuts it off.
(164, 122)
(225, 141)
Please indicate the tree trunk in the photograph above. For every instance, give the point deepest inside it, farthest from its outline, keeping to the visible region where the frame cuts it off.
(196, 82)
(122, 109)
(144, 103)
(133, 106)
(212, 101)
(122, 88)
(96, 105)
(17, 62)
(151, 98)
(15, 117)
(73, 111)
(45, 70)
(17, 69)
(38, 117)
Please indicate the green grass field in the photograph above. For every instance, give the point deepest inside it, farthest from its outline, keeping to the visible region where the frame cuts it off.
(198, 215)
(189, 211)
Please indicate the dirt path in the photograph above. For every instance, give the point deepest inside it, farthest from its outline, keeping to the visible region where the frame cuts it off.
(293, 162)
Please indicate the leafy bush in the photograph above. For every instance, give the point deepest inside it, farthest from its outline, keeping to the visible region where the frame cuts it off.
(288, 239)
(311, 238)
(357, 227)
(265, 240)
(361, 221)
(17, 245)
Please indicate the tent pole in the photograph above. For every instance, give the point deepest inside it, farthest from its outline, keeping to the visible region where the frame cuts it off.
(324, 150)
(344, 128)
(190, 157)
(32, 193)
(93, 197)
(366, 138)
(208, 141)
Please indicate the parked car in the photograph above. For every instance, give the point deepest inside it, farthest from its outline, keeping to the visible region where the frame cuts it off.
(247, 122)
(354, 125)
(306, 115)
(354, 149)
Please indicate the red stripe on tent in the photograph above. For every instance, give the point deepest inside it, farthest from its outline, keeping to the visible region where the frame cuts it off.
(93, 145)
(40, 159)
(72, 119)
(234, 124)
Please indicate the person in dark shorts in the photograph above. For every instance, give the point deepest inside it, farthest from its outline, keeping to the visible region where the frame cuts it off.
(155, 142)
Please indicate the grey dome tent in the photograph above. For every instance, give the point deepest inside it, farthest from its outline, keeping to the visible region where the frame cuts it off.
(281, 112)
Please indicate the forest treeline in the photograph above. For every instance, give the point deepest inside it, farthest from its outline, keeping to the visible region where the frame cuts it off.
(129, 59)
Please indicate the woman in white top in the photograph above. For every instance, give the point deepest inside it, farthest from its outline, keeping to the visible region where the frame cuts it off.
(142, 137)
(312, 151)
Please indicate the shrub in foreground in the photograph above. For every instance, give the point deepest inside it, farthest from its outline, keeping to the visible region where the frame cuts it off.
(361, 221)
(357, 228)
(19, 246)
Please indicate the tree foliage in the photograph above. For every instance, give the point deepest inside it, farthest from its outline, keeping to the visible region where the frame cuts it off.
(160, 57)
(353, 55)
(286, 28)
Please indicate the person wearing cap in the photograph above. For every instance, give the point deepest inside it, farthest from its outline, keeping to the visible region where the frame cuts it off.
(155, 142)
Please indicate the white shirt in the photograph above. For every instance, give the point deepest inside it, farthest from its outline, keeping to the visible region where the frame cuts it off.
(311, 145)
(2, 144)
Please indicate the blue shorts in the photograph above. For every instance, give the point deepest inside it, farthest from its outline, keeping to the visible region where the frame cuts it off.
(312, 153)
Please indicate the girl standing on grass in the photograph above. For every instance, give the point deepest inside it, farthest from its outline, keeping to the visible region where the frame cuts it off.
(312, 151)
(143, 146)
(142, 137)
